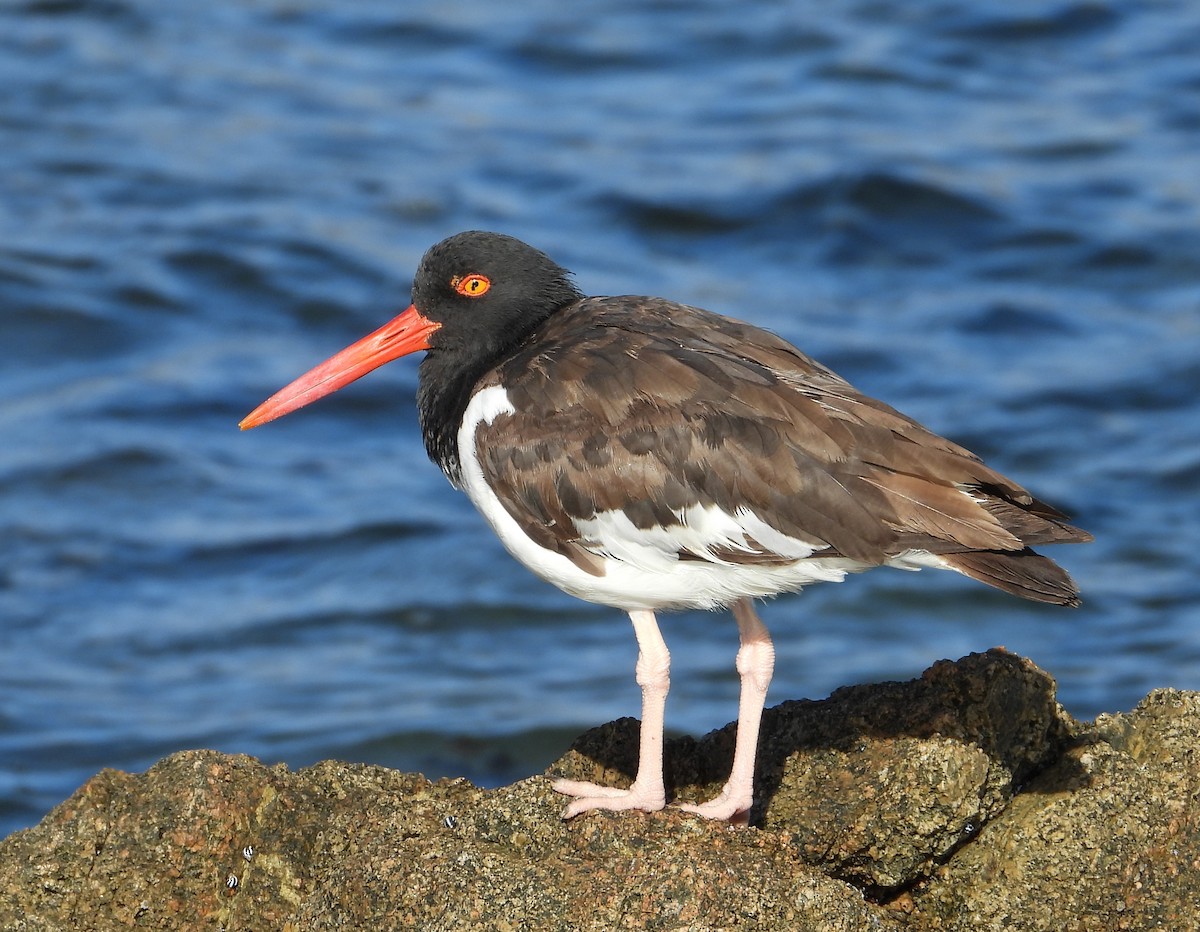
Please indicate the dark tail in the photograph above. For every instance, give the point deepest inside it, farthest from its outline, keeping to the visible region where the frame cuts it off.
(1021, 572)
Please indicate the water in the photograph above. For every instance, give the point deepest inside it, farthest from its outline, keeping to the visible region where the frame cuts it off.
(986, 213)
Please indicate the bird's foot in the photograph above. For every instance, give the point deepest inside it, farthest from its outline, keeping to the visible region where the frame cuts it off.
(727, 807)
(589, 796)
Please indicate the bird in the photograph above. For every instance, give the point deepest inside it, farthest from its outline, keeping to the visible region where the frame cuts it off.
(651, 456)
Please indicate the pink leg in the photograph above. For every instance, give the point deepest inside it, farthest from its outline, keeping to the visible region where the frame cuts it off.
(755, 664)
(654, 676)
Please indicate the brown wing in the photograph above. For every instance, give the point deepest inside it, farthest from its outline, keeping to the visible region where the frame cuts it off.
(651, 408)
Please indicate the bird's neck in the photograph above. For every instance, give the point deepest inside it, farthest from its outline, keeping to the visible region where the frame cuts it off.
(450, 374)
(444, 389)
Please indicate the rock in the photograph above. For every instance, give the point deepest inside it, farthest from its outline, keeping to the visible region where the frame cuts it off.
(1107, 838)
(964, 800)
(880, 783)
(204, 840)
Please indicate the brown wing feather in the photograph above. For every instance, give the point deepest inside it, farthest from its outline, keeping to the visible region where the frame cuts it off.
(916, 468)
(649, 406)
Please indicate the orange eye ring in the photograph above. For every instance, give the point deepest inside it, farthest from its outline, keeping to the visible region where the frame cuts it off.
(471, 286)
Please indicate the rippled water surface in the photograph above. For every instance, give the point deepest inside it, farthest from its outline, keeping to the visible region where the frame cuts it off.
(987, 213)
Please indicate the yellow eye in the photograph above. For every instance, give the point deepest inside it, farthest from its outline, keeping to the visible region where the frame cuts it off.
(471, 286)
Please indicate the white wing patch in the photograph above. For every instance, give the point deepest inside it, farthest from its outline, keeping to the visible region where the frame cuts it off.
(701, 530)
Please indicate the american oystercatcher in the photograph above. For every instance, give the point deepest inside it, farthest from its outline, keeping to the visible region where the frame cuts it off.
(649, 456)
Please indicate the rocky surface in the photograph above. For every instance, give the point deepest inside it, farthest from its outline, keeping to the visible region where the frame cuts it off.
(964, 800)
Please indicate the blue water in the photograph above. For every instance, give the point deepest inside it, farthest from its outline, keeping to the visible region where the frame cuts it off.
(986, 213)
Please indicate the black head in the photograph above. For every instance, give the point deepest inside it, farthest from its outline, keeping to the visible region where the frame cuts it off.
(487, 291)
(475, 296)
